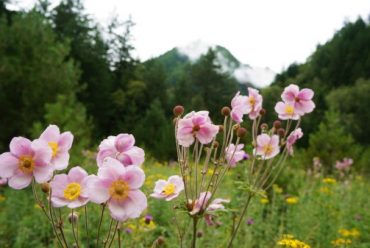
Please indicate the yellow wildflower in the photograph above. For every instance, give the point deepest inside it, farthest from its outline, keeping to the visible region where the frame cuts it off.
(329, 180)
(292, 200)
(288, 241)
(264, 201)
(325, 190)
(277, 189)
(355, 233)
(2, 198)
(341, 242)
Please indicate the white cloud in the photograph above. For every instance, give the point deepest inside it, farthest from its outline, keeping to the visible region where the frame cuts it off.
(260, 32)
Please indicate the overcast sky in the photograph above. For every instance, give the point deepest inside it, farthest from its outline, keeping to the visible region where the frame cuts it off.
(268, 33)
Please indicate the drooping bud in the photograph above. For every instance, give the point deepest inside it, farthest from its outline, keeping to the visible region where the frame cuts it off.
(45, 187)
(215, 144)
(277, 124)
(220, 128)
(263, 111)
(178, 110)
(225, 111)
(73, 218)
(241, 132)
(264, 126)
(199, 234)
(160, 241)
(281, 132)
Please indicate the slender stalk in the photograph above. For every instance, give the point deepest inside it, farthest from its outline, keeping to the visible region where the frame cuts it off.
(110, 229)
(114, 234)
(101, 220)
(61, 226)
(86, 227)
(37, 199)
(53, 223)
(119, 237)
(195, 224)
(73, 228)
(240, 220)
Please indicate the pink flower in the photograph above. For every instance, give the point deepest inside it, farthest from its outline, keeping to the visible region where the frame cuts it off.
(286, 111)
(267, 147)
(26, 160)
(215, 205)
(60, 144)
(70, 190)
(234, 154)
(196, 125)
(200, 204)
(3, 181)
(292, 138)
(121, 147)
(345, 164)
(119, 186)
(239, 107)
(255, 102)
(300, 99)
(169, 189)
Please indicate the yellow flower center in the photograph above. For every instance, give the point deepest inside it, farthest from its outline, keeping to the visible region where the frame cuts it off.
(54, 148)
(169, 189)
(267, 149)
(72, 191)
(26, 164)
(289, 109)
(252, 101)
(119, 190)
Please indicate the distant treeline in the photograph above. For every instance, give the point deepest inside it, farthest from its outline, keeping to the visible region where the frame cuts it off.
(58, 66)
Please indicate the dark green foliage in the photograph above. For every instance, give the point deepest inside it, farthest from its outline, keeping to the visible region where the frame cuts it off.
(34, 70)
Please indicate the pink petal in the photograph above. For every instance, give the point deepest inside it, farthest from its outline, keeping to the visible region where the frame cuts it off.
(65, 141)
(263, 139)
(134, 176)
(42, 152)
(60, 162)
(77, 174)
(124, 142)
(274, 140)
(112, 169)
(58, 185)
(43, 174)
(58, 202)
(306, 94)
(20, 146)
(290, 93)
(280, 108)
(77, 203)
(51, 134)
(117, 210)
(207, 133)
(98, 193)
(159, 185)
(8, 165)
(135, 204)
(134, 156)
(102, 154)
(20, 180)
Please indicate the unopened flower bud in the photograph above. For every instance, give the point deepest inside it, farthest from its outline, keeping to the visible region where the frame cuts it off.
(281, 132)
(241, 132)
(262, 111)
(160, 240)
(220, 128)
(264, 126)
(225, 111)
(199, 234)
(148, 219)
(73, 218)
(277, 124)
(178, 110)
(215, 144)
(45, 187)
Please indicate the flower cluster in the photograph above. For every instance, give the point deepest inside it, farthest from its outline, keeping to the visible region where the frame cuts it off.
(116, 185)
(289, 241)
(36, 159)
